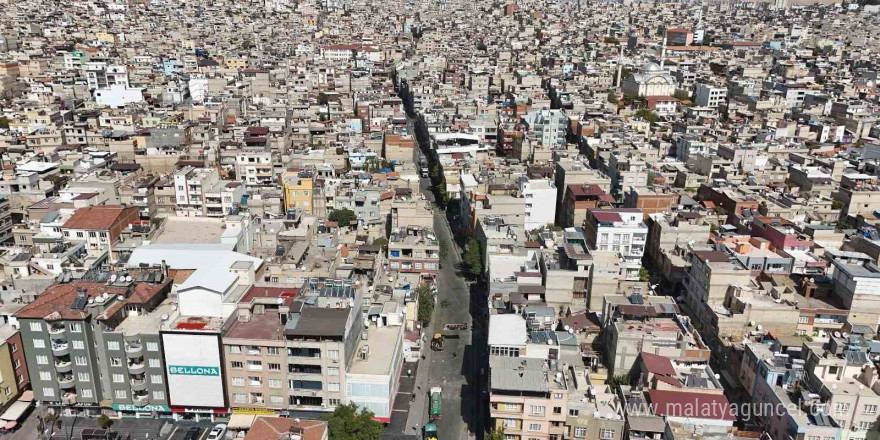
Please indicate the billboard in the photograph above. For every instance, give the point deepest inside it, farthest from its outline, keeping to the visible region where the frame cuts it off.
(192, 365)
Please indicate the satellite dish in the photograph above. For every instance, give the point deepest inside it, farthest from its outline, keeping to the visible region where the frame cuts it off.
(113, 278)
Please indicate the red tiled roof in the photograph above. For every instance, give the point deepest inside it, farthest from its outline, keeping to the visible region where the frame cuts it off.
(606, 216)
(658, 364)
(257, 131)
(692, 405)
(276, 428)
(96, 217)
(57, 298)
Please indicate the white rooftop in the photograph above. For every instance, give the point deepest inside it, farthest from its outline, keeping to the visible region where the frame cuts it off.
(507, 330)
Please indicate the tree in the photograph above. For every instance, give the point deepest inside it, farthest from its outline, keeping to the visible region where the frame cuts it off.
(230, 174)
(426, 304)
(681, 95)
(612, 98)
(346, 423)
(481, 46)
(495, 434)
(342, 216)
(4, 122)
(644, 275)
(104, 421)
(380, 242)
(648, 115)
(720, 211)
(473, 257)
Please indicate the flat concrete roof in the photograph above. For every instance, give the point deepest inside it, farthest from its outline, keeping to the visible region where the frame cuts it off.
(190, 230)
(381, 342)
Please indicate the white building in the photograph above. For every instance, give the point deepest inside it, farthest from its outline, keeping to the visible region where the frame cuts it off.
(550, 126)
(101, 76)
(540, 197)
(118, 96)
(618, 230)
(254, 167)
(651, 80)
(373, 376)
(189, 189)
(709, 95)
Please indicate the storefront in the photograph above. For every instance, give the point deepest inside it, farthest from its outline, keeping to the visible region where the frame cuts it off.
(144, 411)
(198, 414)
(17, 412)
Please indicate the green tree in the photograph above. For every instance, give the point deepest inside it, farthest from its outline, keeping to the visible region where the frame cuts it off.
(342, 216)
(426, 304)
(481, 46)
(720, 211)
(495, 434)
(648, 115)
(473, 257)
(380, 242)
(612, 98)
(644, 275)
(346, 423)
(681, 95)
(104, 421)
(4, 122)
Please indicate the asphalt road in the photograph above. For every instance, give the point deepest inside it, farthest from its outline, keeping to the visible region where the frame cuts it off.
(457, 368)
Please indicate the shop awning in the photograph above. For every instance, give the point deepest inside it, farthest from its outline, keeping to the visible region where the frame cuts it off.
(241, 421)
(27, 396)
(15, 411)
(10, 425)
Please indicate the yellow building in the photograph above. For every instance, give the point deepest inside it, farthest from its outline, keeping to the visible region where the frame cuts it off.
(236, 63)
(299, 191)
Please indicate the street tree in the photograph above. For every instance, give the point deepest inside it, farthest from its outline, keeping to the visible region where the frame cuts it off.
(342, 216)
(426, 304)
(473, 257)
(346, 423)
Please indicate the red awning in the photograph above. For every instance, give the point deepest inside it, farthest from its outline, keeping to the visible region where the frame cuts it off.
(10, 425)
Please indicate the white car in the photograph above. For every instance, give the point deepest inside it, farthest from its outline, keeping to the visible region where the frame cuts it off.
(217, 433)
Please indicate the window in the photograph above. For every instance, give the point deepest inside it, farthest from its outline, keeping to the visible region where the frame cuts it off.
(332, 387)
(86, 393)
(152, 346)
(536, 410)
(870, 410)
(276, 400)
(865, 426)
(113, 345)
(13, 348)
(83, 377)
(841, 408)
(115, 362)
(580, 431)
(574, 412)
(121, 394)
(332, 371)
(255, 366)
(49, 392)
(93, 234)
(557, 410)
(45, 375)
(156, 378)
(235, 349)
(80, 345)
(154, 363)
(75, 327)
(118, 378)
(36, 327)
(333, 402)
(273, 351)
(42, 359)
(510, 423)
(803, 320)
(237, 365)
(275, 383)
(274, 367)
(239, 398)
(159, 395)
(534, 426)
(79, 234)
(39, 343)
(80, 360)
(606, 434)
(255, 381)
(557, 395)
(238, 381)
(17, 364)
(333, 354)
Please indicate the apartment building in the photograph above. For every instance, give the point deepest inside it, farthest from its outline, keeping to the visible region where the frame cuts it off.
(413, 249)
(5, 219)
(100, 226)
(14, 378)
(707, 95)
(709, 277)
(540, 200)
(255, 167)
(189, 185)
(299, 191)
(81, 349)
(550, 127)
(633, 331)
(857, 286)
(621, 231)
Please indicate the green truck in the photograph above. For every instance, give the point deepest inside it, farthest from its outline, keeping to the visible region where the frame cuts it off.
(435, 407)
(430, 432)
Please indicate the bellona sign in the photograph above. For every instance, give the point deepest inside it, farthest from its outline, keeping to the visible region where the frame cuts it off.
(189, 370)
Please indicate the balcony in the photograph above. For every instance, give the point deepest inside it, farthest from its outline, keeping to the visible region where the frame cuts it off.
(61, 349)
(136, 367)
(138, 384)
(66, 381)
(63, 366)
(68, 399)
(140, 399)
(134, 349)
(56, 329)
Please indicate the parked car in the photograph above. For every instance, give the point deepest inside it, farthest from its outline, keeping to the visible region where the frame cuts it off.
(192, 433)
(218, 432)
